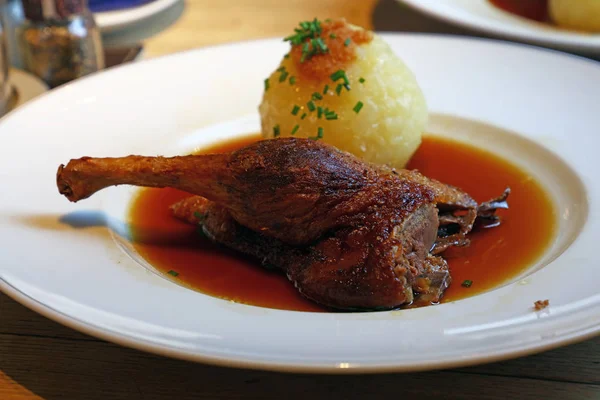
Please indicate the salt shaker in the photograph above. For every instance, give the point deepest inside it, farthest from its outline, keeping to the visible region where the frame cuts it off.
(60, 40)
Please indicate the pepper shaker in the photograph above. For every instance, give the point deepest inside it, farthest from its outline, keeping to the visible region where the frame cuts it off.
(12, 19)
(7, 93)
(59, 40)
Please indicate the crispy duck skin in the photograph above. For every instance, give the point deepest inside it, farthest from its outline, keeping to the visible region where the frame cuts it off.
(348, 234)
(291, 189)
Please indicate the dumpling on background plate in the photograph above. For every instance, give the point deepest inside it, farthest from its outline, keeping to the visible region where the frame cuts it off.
(582, 15)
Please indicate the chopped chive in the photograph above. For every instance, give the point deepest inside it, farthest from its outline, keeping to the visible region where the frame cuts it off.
(358, 107)
(295, 110)
(340, 74)
(332, 35)
(303, 116)
(283, 76)
(319, 112)
(347, 86)
(173, 273)
(311, 106)
(467, 283)
(361, 80)
(292, 80)
(281, 69)
(295, 129)
(338, 89)
(347, 42)
(305, 50)
(266, 84)
(321, 45)
(308, 35)
(316, 25)
(331, 115)
(325, 89)
(287, 55)
(307, 30)
(276, 131)
(317, 96)
(337, 75)
(319, 134)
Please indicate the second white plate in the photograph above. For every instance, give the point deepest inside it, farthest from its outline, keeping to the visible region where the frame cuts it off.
(483, 16)
(109, 21)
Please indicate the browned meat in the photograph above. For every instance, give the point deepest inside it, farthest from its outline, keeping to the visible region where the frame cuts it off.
(371, 266)
(348, 234)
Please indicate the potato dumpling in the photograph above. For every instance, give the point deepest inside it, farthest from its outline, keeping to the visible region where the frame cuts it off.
(582, 15)
(345, 86)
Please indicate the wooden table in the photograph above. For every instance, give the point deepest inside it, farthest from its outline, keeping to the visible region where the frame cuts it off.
(40, 359)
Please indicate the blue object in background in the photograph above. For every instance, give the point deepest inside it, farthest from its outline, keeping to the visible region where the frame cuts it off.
(113, 5)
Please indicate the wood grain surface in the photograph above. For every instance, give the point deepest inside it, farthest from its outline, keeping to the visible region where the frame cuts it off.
(40, 359)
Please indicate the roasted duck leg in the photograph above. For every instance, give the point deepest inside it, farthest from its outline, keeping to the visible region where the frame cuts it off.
(349, 234)
(291, 189)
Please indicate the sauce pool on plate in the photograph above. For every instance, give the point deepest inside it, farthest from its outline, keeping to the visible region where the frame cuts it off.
(495, 255)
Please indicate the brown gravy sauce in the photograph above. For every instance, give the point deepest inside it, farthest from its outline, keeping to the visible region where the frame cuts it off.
(494, 257)
(536, 10)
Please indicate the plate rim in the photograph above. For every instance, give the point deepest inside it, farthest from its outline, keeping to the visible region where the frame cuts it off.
(564, 40)
(239, 362)
(274, 366)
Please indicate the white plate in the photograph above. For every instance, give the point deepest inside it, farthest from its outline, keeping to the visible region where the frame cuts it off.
(111, 20)
(483, 16)
(60, 260)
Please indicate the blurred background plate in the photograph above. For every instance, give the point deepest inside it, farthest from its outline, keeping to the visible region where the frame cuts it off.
(113, 5)
(124, 13)
(481, 15)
